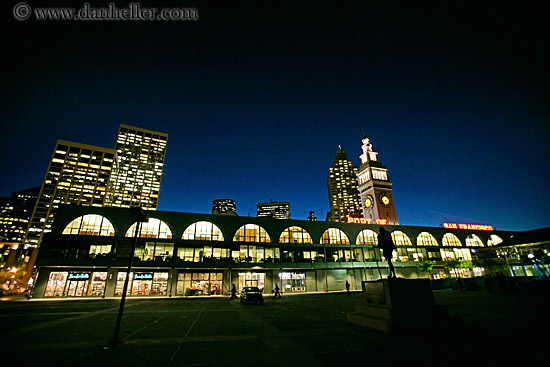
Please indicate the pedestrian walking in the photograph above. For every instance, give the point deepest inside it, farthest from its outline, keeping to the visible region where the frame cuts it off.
(347, 286)
(277, 291)
(233, 292)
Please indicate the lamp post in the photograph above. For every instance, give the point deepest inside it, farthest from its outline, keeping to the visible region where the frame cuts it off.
(140, 217)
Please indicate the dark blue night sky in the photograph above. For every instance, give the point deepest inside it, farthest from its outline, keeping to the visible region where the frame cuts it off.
(257, 96)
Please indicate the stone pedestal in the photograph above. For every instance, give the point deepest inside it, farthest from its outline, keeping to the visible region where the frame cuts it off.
(398, 306)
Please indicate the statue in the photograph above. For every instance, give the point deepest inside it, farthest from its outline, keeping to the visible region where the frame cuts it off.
(385, 243)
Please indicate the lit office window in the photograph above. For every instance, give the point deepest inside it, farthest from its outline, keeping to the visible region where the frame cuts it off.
(451, 240)
(251, 233)
(401, 239)
(473, 241)
(205, 231)
(426, 239)
(494, 240)
(90, 225)
(295, 235)
(154, 228)
(334, 236)
(367, 237)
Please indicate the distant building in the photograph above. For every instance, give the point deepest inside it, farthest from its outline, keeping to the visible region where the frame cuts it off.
(312, 216)
(342, 188)
(275, 210)
(77, 174)
(137, 172)
(224, 207)
(15, 214)
(375, 187)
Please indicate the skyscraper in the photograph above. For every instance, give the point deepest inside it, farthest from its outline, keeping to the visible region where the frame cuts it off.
(137, 172)
(375, 187)
(342, 188)
(77, 174)
(274, 209)
(15, 213)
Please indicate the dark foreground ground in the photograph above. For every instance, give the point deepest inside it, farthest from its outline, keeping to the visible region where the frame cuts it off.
(296, 330)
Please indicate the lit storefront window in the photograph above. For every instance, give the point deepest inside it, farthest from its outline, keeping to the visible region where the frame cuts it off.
(204, 231)
(153, 228)
(143, 284)
(426, 239)
(401, 239)
(251, 233)
(367, 237)
(473, 241)
(494, 240)
(295, 235)
(293, 282)
(76, 284)
(334, 236)
(451, 240)
(199, 284)
(90, 225)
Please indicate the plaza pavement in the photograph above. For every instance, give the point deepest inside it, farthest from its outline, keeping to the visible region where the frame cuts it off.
(297, 330)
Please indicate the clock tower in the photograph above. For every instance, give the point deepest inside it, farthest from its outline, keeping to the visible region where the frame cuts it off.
(375, 188)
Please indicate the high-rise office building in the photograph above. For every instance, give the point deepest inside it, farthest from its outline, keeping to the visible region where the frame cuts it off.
(137, 171)
(375, 188)
(274, 209)
(224, 207)
(342, 188)
(15, 213)
(77, 174)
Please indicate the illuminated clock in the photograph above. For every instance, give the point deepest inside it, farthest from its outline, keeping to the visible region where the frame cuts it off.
(385, 200)
(369, 202)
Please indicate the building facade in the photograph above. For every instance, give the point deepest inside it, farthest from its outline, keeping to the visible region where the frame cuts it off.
(274, 209)
(224, 207)
(343, 189)
(137, 172)
(375, 188)
(186, 254)
(77, 174)
(15, 214)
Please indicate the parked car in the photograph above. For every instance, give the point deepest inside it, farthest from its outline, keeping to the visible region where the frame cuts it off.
(252, 294)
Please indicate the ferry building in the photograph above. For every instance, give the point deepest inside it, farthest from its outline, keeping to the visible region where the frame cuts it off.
(187, 254)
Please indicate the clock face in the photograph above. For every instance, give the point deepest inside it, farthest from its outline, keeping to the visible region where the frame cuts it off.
(369, 202)
(385, 200)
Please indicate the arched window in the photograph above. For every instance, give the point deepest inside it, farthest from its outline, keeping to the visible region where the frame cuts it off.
(295, 235)
(473, 241)
(334, 236)
(426, 239)
(401, 239)
(251, 233)
(451, 240)
(153, 228)
(494, 240)
(90, 225)
(204, 231)
(367, 237)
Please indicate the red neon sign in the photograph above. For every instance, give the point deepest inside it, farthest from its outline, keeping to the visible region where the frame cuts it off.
(367, 221)
(478, 227)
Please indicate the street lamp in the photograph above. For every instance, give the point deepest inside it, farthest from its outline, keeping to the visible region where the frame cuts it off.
(140, 217)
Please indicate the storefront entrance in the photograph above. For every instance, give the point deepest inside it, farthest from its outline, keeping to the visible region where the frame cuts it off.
(252, 280)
